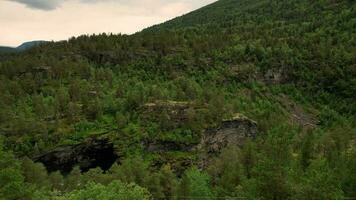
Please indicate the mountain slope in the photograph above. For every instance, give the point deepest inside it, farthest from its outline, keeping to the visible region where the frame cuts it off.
(6, 49)
(227, 13)
(24, 46)
(297, 33)
(27, 45)
(258, 94)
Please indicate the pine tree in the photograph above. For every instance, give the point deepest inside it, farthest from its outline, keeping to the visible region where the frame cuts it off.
(12, 185)
(226, 171)
(57, 181)
(74, 180)
(319, 182)
(35, 173)
(195, 185)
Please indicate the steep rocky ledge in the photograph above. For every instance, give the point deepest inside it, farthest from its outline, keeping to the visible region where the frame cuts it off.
(176, 110)
(96, 152)
(90, 154)
(232, 131)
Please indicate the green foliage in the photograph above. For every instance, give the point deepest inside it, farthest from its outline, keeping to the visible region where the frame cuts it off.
(57, 181)
(307, 150)
(74, 180)
(179, 136)
(132, 170)
(167, 182)
(319, 182)
(272, 168)
(35, 173)
(12, 185)
(288, 65)
(121, 120)
(227, 172)
(248, 158)
(349, 173)
(195, 185)
(115, 190)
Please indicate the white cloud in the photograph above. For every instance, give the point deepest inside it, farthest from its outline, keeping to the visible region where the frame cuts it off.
(62, 19)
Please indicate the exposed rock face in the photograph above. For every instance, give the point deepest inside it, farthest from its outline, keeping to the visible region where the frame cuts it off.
(159, 147)
(298, 115)
(176, 110)
(234, 131)
(89, 154)
(100, 152)
(231, 131)
(244, 72)
(275, 76)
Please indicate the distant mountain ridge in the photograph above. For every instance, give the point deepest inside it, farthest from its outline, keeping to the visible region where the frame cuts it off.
(24, 46)
(4, 49)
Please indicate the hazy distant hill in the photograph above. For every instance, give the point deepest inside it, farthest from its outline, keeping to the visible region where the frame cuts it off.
(27, 45)
(7, 49)
(24, 46)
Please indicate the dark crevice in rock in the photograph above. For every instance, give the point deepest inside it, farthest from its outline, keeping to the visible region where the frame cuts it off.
(95, 152)
(91, 153)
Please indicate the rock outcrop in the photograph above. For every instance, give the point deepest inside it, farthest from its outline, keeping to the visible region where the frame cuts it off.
(233, 131)
(96, 152)
(298, 115)
(160, 146)
(275, 76)
(176, 110)
(90, 154)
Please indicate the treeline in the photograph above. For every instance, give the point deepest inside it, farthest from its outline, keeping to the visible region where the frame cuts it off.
(310, 166)
(310, 45)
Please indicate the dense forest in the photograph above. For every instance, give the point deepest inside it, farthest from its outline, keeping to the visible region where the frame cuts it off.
(241, 99)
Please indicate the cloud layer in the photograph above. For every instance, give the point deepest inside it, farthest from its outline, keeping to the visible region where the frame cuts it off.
(26, 20)
(53, 4)
(40, 4)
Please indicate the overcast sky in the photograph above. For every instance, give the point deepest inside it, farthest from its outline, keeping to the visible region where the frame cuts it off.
(27, 20)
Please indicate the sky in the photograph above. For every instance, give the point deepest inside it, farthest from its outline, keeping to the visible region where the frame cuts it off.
(28, 20)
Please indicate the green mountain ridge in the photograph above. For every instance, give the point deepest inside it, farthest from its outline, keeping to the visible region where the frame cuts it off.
(24, 46)
(6, 49)
(227, 101)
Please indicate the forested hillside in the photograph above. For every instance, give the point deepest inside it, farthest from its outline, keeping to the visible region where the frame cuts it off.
(22, 47)
(252, 99)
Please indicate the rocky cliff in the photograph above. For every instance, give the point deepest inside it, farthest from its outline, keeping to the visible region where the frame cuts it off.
(232, 131)
(96, 152)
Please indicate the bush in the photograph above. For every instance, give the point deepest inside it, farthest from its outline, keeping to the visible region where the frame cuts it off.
(115, 190)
